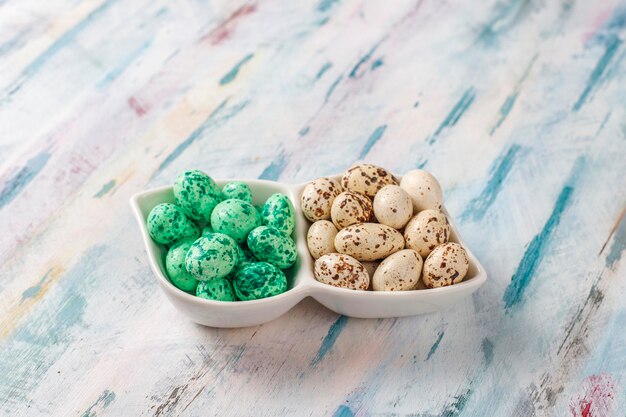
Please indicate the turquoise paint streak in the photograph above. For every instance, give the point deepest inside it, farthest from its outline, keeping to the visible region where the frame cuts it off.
(343, 411)
(323, 70)
(64, 40)
(373, 139)
(477, 208)
(32, 292)
(435, 345)
(326, 5)
(487, 347)
(23, 177)
(329, 340)
(104, 400)
(619, 244)
(214, 120)
(126, 62)
(521, 279)
(332, 87)
(275, 168)
(612, 46)
(105, 189)
(232, 74)
(455, 114)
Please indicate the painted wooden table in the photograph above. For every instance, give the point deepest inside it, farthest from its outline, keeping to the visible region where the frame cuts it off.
(518, 107)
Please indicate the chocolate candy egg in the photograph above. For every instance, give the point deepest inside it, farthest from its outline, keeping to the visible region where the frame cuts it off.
(341, 271)
(175, 266)
(235, 218)
(270, 245)
(366, 179)
(320, 238)
(398, 272)
(317, 198)
(259, 280)
(197, 194)
(426, 230)
(424, 190)
(219, 289)
(278, 212)
(238, 190)
(447, 264)
(211, 257)
(393, 206)
(368, 241)
(350, 208)
(167, 223)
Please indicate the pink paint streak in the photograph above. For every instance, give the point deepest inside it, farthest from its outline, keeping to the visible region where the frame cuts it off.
(224, 30)
(598, 22)
(595, 397)
(137, 107)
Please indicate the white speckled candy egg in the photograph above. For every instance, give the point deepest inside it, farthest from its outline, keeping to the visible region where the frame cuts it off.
(341, 271)
(317, 198)
(366, 179)
(424, 190)
(393, 206)
(321, 238)
(368, 241)
(398, 272)
(446, 265)
(426, 230)
(350, 208)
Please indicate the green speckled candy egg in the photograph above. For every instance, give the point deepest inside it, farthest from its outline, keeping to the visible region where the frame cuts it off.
(216, 289)
(235, 218)
(175, 266)
(259, 280)
(278, 212)
(269, 244)
(238, 190)
(197, 194)
(211, 257)
(167, 223)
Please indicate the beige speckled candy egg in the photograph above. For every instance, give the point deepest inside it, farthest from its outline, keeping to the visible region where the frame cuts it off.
(393, 206)
(426, 230)
(341, 271)
(366, 179)
(368, 241)
(350, 208)
(317, 198)
(424, 190)
(398, 272)
(446, 265)
(321, 238)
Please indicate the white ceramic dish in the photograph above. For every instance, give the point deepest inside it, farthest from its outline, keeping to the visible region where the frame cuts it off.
(302, 283)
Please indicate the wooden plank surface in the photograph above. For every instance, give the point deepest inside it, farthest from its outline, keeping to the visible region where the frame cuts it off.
(517, 106)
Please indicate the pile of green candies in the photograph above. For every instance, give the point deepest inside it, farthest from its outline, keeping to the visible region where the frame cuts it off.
(221, 247)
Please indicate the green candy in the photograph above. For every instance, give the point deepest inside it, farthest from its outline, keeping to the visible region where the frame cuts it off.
(278, 212)
(269, 244)
(238, 190)
(207, 230)
(197, 194)
(216, 289)
(175, 266)
(167, 223)
(211, 257)
(235, 218)
(259, 280)
(245, 257)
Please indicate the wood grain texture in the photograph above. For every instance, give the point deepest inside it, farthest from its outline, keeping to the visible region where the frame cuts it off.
(517, 106)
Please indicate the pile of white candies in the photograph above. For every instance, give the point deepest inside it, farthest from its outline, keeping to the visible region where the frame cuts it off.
(362, 226)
